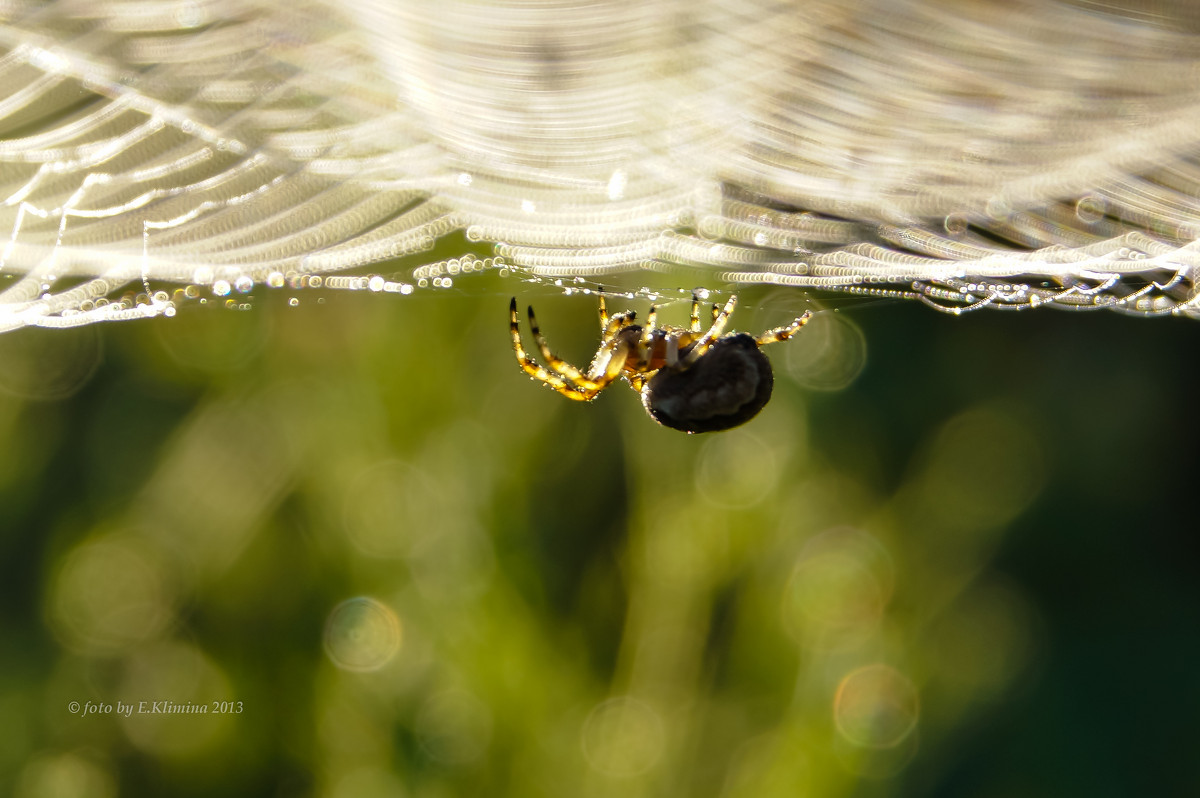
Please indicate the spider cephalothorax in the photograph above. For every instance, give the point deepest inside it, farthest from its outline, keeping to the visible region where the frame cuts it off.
(689, 380)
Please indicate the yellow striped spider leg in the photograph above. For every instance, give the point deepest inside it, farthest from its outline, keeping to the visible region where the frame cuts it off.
(690, 379)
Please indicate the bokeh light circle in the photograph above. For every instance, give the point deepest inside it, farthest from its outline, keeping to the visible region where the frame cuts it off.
(840, 585)
(623, 737)
(112, 592)
(390, 507)
(983, 468)
(362, 635)
(875, 707)
(66, 774)
(369, 782)
(176, 692)
(877, 763)
(830, 353)
(454, 727)
(48, 365)
(736, 469)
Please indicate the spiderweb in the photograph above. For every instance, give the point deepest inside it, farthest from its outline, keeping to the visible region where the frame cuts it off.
(964, 154)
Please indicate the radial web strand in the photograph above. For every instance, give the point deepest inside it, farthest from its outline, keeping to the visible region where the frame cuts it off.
(932, 151)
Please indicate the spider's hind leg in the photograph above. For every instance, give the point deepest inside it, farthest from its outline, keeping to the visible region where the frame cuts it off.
(595, 380)
(608, 363)
(559, 382)
(556, 363)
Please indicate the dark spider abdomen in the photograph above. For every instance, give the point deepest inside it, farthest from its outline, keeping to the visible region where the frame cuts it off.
(726, 387)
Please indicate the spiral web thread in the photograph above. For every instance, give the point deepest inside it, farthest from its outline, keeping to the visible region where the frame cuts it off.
(963, 154)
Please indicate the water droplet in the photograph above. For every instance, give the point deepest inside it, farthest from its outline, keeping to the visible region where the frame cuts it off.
(616, 185)
(998, 208)
(243, 284)
(190, 15)
(47, 61)
(1091, 209)
(221, 288)
(955, 224)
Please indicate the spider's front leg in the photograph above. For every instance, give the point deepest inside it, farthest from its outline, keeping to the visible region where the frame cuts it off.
(645, 346)
(714, 332)
(611, 326)
(694, 319)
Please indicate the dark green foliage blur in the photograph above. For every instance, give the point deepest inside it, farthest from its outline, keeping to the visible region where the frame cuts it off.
(389, 564)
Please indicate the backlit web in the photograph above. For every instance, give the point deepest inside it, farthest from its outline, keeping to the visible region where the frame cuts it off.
(965, 154)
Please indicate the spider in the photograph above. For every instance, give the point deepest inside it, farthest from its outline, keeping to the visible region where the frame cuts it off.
(689, 379)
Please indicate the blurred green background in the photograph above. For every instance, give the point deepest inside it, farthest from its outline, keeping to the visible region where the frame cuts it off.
(953, 557)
